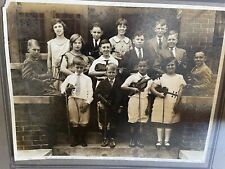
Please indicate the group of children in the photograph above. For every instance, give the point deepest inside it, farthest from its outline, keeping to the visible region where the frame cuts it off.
(117, 73)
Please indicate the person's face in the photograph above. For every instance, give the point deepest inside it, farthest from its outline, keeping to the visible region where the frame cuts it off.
(79, 69)
(172, 41)
(34, 51)
(121, 29)
(142, 67)
(199, 59)
(139, 41)
(58, 29)
(96, 33)
(77, 44)
(171, 67)
(160, 30)
(105, 49)
(111, 73)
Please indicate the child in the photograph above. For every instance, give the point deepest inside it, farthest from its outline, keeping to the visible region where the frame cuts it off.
(201, 75)
(157, 43)
(92, 47)
(98, 67)
(56, 48)
(38, 81)
(163, 113)
(108, 97)
(79, 99)
(138, 103)
(131, 59)
(67, 65)
(120, 43)
(178, 53)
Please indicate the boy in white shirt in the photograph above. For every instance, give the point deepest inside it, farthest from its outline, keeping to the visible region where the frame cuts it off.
(78, 87)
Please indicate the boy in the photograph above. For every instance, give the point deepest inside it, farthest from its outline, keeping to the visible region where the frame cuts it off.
(138, 103)
(131, 59)
(78, 87)
(92, 46)
(157, 43)
(108, 97)
(173, 51)
(201, 75)
(38, 81)
(98, 67)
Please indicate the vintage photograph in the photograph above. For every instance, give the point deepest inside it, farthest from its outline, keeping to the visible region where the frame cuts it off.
(104, 80)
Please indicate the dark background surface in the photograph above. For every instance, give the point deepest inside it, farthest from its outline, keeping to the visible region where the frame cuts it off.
(6, 159)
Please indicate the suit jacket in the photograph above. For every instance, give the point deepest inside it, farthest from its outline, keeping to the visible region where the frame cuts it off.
(153, 49)
(111, 93)
(130, 60)
(90, 50)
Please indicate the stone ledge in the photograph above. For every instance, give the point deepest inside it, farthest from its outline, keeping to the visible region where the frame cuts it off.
(33, 154)
(191, 155)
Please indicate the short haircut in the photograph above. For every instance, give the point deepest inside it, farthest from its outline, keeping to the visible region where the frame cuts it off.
(173, 32)
(161, 22)
(200, 52)
(79, 60)
(121, 21)
(143, 60)
(104, 41)
(57, 20)
(32, 42)
(111, 66)
(166, 61)
(73, 38)
(96, 24)
(138, 33)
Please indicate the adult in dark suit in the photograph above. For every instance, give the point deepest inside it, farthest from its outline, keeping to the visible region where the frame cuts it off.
(91, 48)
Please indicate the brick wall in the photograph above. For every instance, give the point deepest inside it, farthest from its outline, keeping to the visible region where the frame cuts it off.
(37, 125)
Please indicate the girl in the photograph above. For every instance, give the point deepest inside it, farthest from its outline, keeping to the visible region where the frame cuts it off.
(56, 48)
(120, 43)
(165, 103)
(67, 65)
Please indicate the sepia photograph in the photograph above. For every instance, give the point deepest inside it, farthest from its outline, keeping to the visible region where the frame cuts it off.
(109, 80)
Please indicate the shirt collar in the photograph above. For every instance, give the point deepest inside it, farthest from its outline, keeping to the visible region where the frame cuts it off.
(145, 76)
(77, 74)
(117, 39)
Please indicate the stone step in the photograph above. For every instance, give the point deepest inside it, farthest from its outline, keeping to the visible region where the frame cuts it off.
(121, 150)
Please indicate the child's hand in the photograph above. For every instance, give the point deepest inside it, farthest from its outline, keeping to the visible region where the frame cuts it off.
(161, 95)
(84, 107)
(135, 90)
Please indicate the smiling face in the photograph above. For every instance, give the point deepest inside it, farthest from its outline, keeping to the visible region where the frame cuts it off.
(105, 49)
(34, 51)
(121, 28)
(172, 41)
(199, 58)
(58, 29)
(96, 32)
(139, 41)
(79, 68)
(142, 67)
(77, 45)
(160, 30)
(171, 67)
(111, 73)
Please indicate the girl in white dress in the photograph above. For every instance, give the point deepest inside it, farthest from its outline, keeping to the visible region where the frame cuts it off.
(163, 114)
(56, 48)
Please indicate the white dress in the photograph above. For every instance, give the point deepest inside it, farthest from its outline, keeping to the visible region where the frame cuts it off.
(163, 110)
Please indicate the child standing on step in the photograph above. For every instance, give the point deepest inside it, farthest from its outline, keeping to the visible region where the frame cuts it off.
(78, 88)
(138, 102)
(164, 113)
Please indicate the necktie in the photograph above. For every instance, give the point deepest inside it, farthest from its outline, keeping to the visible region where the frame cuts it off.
(96, 43)
(171, 51)
(139, 53)
(111, 82)
(106, 62)
(78, 85)
(160, 43)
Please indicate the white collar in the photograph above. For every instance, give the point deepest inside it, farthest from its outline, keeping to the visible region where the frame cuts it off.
(117, 39)
(145, 76)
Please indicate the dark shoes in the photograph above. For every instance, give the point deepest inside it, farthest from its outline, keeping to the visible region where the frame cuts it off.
(105, 142)
(112, 143)
(74, 143)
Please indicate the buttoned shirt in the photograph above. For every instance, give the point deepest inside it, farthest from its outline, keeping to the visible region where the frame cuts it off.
(121, 45)
(86, 91)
